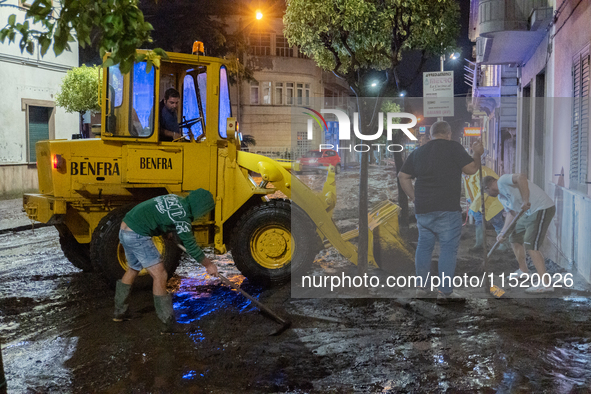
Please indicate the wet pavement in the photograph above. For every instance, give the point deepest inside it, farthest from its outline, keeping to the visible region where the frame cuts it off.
(57, 336)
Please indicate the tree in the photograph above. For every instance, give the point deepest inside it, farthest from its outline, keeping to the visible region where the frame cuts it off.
(118, 25)
(79, 90)
(175, 29)
(354, 38)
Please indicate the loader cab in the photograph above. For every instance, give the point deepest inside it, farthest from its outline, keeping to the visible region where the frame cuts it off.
(132, 103)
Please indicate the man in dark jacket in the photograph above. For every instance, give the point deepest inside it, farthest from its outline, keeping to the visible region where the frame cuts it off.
(437, 167)
(169, 126)
(155, 217)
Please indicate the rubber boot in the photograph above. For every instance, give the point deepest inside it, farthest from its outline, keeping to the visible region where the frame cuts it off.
(122, 292)
(165, 312)
(504, 246)
(479, 240)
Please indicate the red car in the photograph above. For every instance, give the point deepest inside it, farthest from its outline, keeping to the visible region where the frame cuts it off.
(316, 160)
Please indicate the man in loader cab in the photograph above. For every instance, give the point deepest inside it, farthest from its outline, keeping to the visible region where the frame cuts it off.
(437, 167)
(158, 216)
(169, 126)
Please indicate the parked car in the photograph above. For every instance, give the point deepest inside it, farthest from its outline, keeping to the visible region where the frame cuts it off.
(316, 160)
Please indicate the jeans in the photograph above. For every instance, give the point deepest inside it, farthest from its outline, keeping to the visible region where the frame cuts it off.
(445, 227)
(140, 250)
(498, 221)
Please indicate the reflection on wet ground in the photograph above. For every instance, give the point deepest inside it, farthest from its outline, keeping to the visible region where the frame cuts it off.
(58, 337)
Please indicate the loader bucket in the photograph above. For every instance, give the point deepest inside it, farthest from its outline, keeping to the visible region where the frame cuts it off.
(388, 250)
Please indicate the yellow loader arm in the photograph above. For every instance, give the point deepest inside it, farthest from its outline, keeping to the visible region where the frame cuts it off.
(319, 207)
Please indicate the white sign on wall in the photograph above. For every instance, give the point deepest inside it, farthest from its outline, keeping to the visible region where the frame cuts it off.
(438, 94)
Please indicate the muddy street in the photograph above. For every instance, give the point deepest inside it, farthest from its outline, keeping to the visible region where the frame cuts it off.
(57, 335)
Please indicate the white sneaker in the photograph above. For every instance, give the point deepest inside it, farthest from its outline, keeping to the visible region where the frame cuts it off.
(539, 289)
(517, 274)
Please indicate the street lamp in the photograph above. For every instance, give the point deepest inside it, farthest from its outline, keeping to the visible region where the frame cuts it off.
(453, 56)
(258, 16)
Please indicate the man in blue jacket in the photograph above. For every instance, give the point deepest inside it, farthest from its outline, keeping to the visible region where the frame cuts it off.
(158, 216)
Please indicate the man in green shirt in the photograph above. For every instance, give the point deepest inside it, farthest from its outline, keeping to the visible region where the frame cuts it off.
(158, 216)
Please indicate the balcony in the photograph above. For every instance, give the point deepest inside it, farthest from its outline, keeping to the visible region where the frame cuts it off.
(510, 30)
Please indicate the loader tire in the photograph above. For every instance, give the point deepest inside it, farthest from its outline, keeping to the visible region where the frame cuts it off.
(108, 256)
(268, 246)
(78, 254)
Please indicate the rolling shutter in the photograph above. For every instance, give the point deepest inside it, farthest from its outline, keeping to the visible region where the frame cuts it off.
(580, 119)
(38, 128)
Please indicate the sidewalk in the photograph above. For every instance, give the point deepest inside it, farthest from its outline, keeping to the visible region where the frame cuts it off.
(12, 215)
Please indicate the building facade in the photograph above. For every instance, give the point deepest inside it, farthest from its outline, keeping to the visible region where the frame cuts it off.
(548, 43)
(285, 80)
(27, 106)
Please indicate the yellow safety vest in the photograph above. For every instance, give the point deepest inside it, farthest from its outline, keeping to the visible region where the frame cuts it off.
(472, 188)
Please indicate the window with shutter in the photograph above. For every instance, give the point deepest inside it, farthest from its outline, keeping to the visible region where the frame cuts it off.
(580, 120)
(38, 128)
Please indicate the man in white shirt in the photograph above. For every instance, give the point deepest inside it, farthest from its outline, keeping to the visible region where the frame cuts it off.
(517, 193)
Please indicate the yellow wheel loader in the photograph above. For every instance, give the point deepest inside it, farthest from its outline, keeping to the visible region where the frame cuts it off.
(87, 186)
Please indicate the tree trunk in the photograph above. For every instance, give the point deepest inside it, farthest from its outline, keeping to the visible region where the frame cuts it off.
(402, 197)
(362, 262)
(366, 126)
(363, 243)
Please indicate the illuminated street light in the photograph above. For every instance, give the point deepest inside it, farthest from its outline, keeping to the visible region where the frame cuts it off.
(259, 15)
(374, 84)
(401, 94)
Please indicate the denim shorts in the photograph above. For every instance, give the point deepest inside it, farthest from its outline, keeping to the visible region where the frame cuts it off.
(140, 250)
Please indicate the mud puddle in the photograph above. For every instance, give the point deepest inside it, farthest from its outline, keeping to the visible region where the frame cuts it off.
(57, 335)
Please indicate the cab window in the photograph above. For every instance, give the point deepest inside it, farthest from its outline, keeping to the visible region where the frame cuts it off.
(225, 107)
(202, 84)
(114, 97)
(141, 122)
(191, 105)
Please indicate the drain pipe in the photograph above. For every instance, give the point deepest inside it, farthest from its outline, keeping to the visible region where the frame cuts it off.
(2, 376)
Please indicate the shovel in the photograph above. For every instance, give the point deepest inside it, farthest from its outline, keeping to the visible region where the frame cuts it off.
(507, 233)
(285, 324)
(496, 290)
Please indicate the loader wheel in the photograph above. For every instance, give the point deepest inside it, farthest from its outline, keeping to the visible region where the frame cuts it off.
(268, 246)
(77, 253)
(108, 256)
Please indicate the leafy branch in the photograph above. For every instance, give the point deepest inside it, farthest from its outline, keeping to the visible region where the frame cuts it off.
(118, 25)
